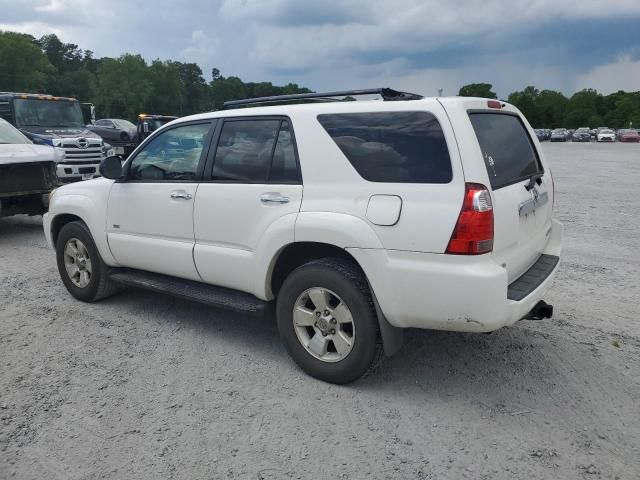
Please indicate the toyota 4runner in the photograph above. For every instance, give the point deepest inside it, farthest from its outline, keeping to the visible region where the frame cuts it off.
(355, 220)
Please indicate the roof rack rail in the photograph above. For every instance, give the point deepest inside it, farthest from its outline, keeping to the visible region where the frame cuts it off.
(387, 94)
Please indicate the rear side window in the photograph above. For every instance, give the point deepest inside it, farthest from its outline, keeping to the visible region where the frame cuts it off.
(256, 151)
(392, 147)
(508, 152)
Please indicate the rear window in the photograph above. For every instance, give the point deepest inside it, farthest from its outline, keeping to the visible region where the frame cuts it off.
(508, 152)
(392, 147)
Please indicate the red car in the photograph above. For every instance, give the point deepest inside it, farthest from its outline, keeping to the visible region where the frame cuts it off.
(628, 136)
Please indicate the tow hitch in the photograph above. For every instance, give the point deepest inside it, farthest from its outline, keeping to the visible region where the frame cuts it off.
(541, 311)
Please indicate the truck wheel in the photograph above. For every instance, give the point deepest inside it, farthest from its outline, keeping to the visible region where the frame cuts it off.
(80, 266)
(327, 320)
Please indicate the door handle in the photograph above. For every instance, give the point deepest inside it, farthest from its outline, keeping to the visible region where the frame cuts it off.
(271, 198)
(181, 195)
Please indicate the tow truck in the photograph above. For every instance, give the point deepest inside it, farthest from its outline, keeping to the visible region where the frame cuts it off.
(148, 123)
(58, 122)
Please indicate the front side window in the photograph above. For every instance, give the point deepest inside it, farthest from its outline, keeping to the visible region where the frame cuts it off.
(256, 151)
(398, 147)
(172, 155)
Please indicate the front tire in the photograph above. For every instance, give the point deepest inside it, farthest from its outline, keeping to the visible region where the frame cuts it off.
(327, 320)
(81, 268)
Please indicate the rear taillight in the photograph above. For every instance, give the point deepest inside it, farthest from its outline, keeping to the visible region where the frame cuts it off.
(473, 234)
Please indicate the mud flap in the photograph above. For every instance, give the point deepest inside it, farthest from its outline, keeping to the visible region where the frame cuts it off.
(392, 337)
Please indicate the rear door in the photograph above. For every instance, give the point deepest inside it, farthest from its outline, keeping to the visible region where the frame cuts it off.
(248, 202)
(521, 186)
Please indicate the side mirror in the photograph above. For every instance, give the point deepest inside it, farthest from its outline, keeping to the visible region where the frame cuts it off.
(111, 167)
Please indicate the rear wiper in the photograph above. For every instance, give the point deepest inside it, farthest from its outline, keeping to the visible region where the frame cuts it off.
(533, 179)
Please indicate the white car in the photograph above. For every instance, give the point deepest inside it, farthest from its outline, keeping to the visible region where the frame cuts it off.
(27, 173)
(358, 220)
(606, 135)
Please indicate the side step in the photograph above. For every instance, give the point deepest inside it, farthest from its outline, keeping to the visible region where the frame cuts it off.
(220, 297)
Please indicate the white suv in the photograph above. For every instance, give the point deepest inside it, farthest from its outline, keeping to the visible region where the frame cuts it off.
(357, 220)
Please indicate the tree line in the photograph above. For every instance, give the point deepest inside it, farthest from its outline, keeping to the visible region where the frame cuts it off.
(586, 108)
(125, 86)
(119, 87)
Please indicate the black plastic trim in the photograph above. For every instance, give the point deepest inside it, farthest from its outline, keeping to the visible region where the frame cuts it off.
(220, 297)
(532, 278)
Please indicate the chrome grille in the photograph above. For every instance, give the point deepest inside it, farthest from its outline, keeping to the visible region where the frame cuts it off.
(74, 154)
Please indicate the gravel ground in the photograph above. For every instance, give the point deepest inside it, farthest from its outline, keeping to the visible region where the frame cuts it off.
(143, 386)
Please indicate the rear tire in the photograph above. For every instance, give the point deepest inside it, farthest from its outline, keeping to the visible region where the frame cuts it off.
(81, 268)
(335, 336)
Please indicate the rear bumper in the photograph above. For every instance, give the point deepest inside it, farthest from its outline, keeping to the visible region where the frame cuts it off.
(449, 292)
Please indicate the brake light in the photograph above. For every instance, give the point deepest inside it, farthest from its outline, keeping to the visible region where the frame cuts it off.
(494, 104)
(473, 234)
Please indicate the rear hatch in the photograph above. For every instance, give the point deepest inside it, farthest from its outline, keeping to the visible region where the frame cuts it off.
(505, 156)
(521, 189)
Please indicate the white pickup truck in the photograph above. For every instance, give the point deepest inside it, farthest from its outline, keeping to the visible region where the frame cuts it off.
(357, 220)
(27, 173)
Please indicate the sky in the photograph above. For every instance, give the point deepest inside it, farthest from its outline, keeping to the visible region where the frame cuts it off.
(414, 45)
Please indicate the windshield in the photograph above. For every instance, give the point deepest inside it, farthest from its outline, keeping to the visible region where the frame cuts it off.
(125, 124)
(156, 123)
(559, 130)
(606, 131)
(8, 134)
(47, 113)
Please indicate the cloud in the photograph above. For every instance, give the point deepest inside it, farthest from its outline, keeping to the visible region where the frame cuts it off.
(422, 44)
(623, 74)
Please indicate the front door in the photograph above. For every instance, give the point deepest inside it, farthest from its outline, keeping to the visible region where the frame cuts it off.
(150, 214)
(248, 202)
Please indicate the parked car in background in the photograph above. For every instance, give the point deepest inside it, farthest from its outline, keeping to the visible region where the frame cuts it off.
(121, 134)
(628, 135)
(559, 135)
(27, 173)
(540, 134)
(581, 135)
(606, 135)
(594, 133)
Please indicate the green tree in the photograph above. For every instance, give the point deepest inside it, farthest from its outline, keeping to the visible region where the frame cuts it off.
(527, 102)
(23, 66)
(167, 90)
(123, 88)
(551, 107)
(482, 90)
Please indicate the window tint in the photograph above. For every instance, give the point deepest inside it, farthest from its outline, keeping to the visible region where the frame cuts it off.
(172, 155)
(402, 147)
(284, 167)
(245, 150)
(506, 147)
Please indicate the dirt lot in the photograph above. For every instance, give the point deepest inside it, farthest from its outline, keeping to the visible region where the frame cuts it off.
(142, 386)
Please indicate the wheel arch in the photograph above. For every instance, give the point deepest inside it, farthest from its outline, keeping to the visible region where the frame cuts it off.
(60, 221)
(297, 254)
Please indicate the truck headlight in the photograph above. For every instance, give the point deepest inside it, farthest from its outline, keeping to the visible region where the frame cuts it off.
(56, 142)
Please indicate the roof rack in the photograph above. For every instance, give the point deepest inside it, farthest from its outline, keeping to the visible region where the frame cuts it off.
(387, 94)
